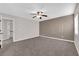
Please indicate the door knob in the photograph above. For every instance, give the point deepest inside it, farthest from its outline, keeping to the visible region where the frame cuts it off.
(0, 30)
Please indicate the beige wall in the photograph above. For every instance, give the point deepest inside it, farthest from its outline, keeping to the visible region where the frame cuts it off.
(61, 27)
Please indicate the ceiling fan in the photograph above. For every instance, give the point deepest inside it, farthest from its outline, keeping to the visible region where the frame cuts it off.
(39, 14)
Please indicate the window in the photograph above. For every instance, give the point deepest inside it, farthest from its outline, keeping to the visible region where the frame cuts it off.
(76, 24)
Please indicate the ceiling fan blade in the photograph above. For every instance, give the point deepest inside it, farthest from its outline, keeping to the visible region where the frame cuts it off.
(44, 15)
(33, 16)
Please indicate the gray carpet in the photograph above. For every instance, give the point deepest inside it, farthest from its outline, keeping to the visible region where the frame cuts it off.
(39, 46)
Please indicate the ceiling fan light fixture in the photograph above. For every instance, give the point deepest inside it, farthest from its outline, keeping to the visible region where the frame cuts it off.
(38, 16)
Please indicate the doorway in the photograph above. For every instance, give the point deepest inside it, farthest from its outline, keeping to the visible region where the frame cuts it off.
(7, 28)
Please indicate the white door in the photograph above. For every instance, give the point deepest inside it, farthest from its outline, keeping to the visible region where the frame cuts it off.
(7, 29)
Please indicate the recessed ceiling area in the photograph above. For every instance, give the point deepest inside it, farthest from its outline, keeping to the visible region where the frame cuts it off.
(53, 10)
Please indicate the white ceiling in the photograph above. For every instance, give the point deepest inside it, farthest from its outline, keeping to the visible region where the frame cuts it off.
(53, 10)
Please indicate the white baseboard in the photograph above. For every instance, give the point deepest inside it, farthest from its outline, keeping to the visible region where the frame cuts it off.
(24, 39)
(57, 38)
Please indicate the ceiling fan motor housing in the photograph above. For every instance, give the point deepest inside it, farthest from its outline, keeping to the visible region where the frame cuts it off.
(39, 15)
